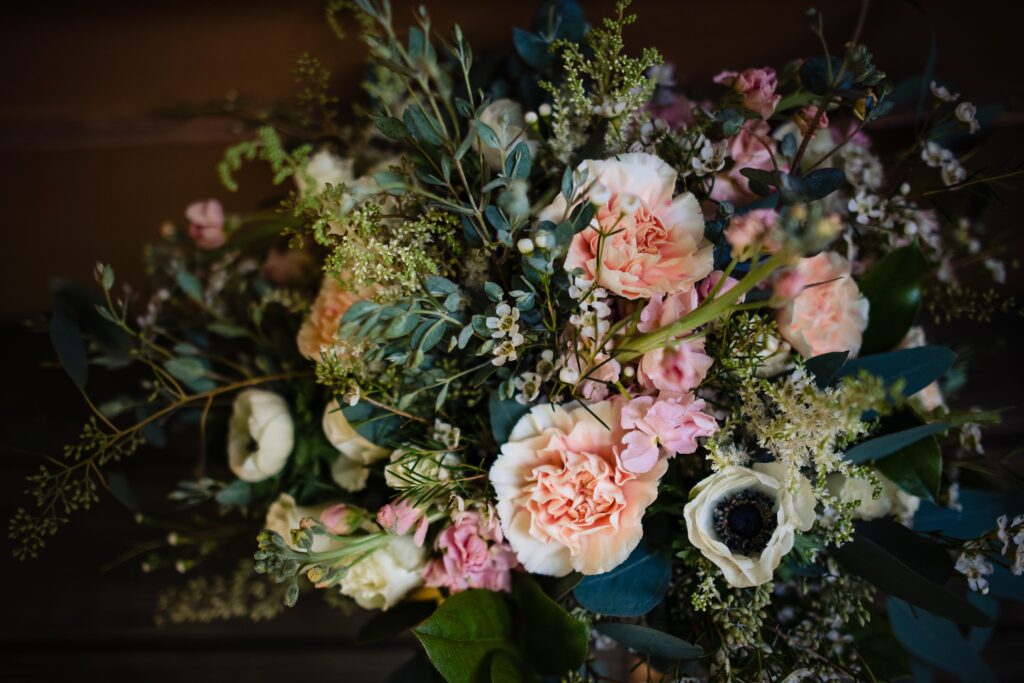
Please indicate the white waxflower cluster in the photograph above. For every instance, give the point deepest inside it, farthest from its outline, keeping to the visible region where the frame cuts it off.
(939, 157)
(594, 311)
(973, 564)
(863, 168)
(504, 325)
(1012, 534)
(529, 384)
(709, 157)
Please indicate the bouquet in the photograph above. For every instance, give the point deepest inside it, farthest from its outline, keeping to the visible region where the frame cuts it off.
(542, 358)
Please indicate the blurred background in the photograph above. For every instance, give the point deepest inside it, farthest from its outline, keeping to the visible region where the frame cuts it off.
(91, 169)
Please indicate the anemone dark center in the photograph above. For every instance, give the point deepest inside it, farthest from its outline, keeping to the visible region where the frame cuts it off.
(745, 521)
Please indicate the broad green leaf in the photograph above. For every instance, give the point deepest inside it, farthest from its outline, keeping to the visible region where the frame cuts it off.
(549, 638)
(917, 367)
(883, 446)
(421, 125)
(392, 127)
(494, 292)
(463, 633)
(916, 468)
(937, 641)
(504, 415)
(67, 341)
(893, 288)
(650, 642)
(825, 366)
(631, 589)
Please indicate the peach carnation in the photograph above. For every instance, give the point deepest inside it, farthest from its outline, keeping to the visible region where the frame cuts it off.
(654, 244)
(319, 330)
(830, 314)
(565, 500)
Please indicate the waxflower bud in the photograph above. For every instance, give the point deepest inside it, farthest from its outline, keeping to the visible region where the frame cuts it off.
(525, 246)
(544, 240)
(544, 110)
(530, 117)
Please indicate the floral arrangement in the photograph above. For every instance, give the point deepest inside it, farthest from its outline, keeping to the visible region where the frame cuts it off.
(542, 358)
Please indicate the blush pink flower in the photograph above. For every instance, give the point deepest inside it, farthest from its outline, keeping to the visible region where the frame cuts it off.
(752, 147)
(708, 284)
(830, 314)
(804, 119)
(748, 229)
(473, 555)
(679, 366)
(653, 243)
(787, 284)
(399, 517)
(206, 223)
(757, 86)
(669, 424)
(319, 331)
(565, 500)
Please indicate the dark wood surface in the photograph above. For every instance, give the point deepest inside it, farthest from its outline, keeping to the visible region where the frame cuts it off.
(89, 173)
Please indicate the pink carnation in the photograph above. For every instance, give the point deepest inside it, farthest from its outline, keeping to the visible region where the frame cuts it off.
(752, 147)
(830, 314)
(709, 283)
(757, 86)
(653, 244)
(206, 223)
(680, 366)
(319, 330)
(671, 424)
(473, 555)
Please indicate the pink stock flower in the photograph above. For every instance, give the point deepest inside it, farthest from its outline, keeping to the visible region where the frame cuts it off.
(399, 517)
(680, 366)
(752, 147)
(747, 229)
(319, 330)
(473, 555)
(652, 244)
(757, 86)
(564, 499)
(830, 314)
(206, 223)
(670, 423)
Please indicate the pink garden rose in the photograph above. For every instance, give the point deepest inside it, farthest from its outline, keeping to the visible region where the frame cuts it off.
(399, 518)
(565, 500)
(757, 86)
(679, 366)
(319, 330)
(658, 245)
(473, 555)
(830, 314)
(752, 147)
(669, 424)
(206, 223)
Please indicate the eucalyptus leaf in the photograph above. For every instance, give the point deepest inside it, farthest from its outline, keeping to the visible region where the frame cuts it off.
(504, 413)
(882, 446)
(937, 641)
(916, 368)
(68, 343)
(391, 127)
(650, 642)
(631, 589)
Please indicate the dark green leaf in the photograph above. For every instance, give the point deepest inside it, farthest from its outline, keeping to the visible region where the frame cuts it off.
(422, 127)
(236, 494)
(438, 285)
(937, 641)
(631, 589)
(550, 639)
(433, 335)
(917, 367)
(487, 135)
(463, 632)
(825, 366)
(517, 165)
(392, 127)
(917, 468)
(823, 182)
(190, 285)
(493, 291)
(882, 446)
(893, 288)
(505, 413)
(67, 341)
(650, 642)
(533, 49)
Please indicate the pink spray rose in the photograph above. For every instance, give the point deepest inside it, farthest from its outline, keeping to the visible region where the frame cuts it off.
(746, 230)
(830, 314)
(473, 555)
(319, 330)
(206, 223)
(757, 86)
(339, 519)
(564, 498)
(708, 284)
(680, 366)
(752, 147)
(669, 423)
(654, 244)
(399, 517)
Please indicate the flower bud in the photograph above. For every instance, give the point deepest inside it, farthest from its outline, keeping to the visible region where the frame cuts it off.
(544, 240)
(599, 194)
(544, 110)
(530, 117)
(525, 246)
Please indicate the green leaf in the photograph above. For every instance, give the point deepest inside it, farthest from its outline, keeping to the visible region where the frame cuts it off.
(185, 368)
(505, 413)
(402, 325)
(650, 642)
(392, 127)
(823, 182)
(882, 446)
(432, 336)
(462, 634)
(507, 668)
(68, 343)
(825, 366)
(487, 135)
(631, 589)
(190, 285)
(236, 494)
(917, 468)
(906, 566)
(937, 642)
(395, 621)
(422, 127)
(517, 165)
(493, 291)
(893, 288)
(227, 330)
(917, 367)
(550, 639)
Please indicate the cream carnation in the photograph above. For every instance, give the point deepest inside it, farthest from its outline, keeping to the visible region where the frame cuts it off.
(355, 451)
(830, 314)
(385, 577)
(658, 245)
(745, 520)
(260, 435)
(565, 500)
(319, 331)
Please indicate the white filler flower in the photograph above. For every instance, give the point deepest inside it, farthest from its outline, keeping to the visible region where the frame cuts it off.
(260, 435)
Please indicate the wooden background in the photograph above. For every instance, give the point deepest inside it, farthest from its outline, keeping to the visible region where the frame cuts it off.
(90, 173)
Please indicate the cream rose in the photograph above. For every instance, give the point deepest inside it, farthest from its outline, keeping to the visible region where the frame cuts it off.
(745, 520)
(385, 577)
(565, 500)
(283, 515)
(658, 245)
(355, 452)
(319, 331)
(830, 314)
(260, 435)
(894, 501)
